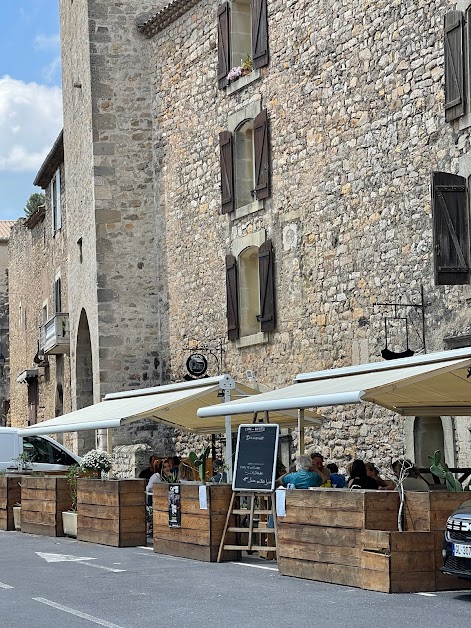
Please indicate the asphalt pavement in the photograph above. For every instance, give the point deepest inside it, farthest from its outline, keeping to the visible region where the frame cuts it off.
(62, 583)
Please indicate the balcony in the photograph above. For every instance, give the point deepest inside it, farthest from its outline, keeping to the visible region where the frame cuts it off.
(55, 335)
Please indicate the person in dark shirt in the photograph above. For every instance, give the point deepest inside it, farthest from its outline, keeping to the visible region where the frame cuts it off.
(146, 473)
(359, 478)
(337, 479)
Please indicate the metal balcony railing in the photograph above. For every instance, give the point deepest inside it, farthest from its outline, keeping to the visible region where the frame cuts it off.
(55, 335)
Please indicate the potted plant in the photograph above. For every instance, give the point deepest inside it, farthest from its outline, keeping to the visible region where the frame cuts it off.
(69, 517)
(200, 461)
(95, 462)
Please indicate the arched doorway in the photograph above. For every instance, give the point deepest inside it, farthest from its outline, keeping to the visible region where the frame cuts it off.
(84, 380)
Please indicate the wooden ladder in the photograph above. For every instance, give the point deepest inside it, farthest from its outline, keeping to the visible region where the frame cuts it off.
(250, 530)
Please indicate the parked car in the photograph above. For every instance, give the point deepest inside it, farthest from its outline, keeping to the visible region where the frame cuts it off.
(457, 543)
(44, 453)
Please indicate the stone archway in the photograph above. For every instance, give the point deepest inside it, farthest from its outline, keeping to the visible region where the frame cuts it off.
(84, 380)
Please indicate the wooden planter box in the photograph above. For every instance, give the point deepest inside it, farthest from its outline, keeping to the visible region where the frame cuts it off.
(336, 536)
(10, 495)
(201, 530)
(42, 501)
(111, 512)
(429, 512)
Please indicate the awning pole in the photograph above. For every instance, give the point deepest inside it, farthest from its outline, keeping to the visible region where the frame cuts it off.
(109, 440)
(300, 432)
(227, 419)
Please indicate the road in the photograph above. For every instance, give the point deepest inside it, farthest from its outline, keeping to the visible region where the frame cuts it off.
(56, 582)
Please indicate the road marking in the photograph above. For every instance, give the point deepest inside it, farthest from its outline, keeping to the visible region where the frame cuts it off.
(60, 558)
(95, 620)
(5, 586)
(100, 567)
(257, 566)
(427, 594)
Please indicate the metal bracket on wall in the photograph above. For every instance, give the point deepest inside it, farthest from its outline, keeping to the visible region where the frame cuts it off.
(214, 348)
(397, 306)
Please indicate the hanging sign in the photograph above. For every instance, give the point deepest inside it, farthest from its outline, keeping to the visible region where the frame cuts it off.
(197, 365)
(255, 460)
(174, 506)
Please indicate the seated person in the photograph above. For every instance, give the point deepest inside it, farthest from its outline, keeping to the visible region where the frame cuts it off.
(373, 472)
(175, 464)
(148, 471)
(155, 478)
(318, 467)
(303, 477)
(337, 479)
(359, 478)
(219, 475)
(187, 473)
(411, 478)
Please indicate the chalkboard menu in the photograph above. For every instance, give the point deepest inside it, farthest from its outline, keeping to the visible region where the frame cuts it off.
(255, 461)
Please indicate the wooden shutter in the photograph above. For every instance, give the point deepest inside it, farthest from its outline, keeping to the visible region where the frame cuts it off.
(450, 228)
(33, 400)
(57, 296)
(223, 44)
(227, 172)
(232, 293)
(454, 65)
(267, 287)
(58, 220)
(261, 152)
(259, 33)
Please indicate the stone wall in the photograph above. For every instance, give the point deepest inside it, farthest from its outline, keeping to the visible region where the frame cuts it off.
(4, 333)
(355, 101)
(36, 258)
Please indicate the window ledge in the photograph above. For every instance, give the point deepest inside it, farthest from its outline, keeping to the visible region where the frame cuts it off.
(465, 122)
(255, 339)
(243, 81)
(245, 210)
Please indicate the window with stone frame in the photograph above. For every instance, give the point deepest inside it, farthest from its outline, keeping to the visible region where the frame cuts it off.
(244, 158)
(55, 189)
(242, 34)
(450, 210)
(250, 292)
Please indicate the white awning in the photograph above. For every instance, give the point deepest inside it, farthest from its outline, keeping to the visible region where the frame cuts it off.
(433, 384)
(175, 405)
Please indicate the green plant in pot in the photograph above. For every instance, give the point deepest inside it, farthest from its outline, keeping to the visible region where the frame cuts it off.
(441, 470)
(72, 474)
(199, 461)
(96, 462)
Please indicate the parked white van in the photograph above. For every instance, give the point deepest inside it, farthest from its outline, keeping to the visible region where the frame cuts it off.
(44, 453)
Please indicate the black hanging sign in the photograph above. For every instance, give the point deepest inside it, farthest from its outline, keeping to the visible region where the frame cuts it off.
(174, 507)
(255, 460)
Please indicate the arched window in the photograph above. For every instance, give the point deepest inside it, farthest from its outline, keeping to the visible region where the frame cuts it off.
(428, 437)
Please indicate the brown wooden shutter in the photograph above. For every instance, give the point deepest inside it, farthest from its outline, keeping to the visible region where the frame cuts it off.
(223, 44)
(450, 228)
(232, 293)
(227, 172)
(259, 33)
(33, 400)
(454, 65)
(267, 287)
(262, 153)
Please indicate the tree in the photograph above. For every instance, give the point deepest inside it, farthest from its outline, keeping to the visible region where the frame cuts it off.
(32, 204)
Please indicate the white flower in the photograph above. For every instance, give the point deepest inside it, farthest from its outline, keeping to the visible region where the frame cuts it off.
(96, 460)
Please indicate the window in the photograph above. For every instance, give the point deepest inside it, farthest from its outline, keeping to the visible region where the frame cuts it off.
(250, 291)
(242, 32)
(33, 400)
(244, 157)
(450, 228)
(42, 451)
(56, 201)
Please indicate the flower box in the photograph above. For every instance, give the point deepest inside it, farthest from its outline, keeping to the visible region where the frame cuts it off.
(111, 512)
(43, 499)
(201, 530)
(10, 494)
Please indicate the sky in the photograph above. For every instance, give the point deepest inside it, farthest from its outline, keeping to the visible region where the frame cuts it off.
(30, 96)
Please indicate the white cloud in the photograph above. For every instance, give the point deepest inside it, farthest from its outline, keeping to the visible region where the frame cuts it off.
(47, 42)
(52, 70)
(30, 121)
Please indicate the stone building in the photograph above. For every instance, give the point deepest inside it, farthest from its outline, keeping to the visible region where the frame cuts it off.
(318, 160)
(39, 319)
(284, 208)
(5, 227)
